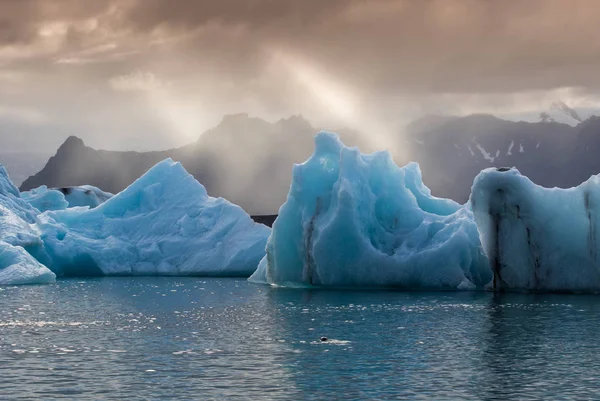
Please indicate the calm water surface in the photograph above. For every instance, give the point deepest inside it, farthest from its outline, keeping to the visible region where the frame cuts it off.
(167, 338)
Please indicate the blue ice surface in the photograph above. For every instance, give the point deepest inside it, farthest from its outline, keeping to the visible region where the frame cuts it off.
(356, 220)
(542, 239)
(19, 240)
(43, 198)
(164, 223)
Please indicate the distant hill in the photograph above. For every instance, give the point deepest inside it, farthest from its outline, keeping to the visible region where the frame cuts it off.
(249, 160)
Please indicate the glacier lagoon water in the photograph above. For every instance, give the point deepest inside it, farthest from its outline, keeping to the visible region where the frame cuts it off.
(189, 338)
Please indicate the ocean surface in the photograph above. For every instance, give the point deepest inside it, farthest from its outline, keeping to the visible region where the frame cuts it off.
(202, 339)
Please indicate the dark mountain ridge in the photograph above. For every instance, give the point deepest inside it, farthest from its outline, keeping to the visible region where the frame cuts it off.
(452, 154)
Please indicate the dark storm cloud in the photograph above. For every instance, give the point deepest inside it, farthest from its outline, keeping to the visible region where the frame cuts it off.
(20, 20)
(395, 45)
(381, 45)
(124, 65)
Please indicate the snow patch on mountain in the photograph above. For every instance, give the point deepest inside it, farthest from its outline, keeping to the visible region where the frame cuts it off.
(509, 152)
(560, 113)
(487, 156)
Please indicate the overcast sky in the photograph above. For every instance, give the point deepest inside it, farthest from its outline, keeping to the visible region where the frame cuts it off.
(151, 74)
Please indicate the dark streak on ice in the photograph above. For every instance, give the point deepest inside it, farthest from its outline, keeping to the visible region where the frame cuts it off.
(535, 258)
(309, 273)
(495, 257)
(592, 227)
(66, 190)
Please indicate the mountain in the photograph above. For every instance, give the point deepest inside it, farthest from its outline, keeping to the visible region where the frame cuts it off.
(453, 153)
(249, 160)
(559, 112)
(583, 158)
(246, 160)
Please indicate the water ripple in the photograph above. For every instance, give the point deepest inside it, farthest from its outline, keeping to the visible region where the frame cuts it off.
(168, 338)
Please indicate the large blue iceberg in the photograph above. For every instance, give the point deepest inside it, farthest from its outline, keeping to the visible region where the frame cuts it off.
(359, 220)
(163, 224)
(19, 239)
(44, 199)
(538, 238)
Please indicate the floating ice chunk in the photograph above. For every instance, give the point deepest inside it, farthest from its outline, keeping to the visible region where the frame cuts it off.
(538, 238)
(11, 199)
(19, 241)
(359, 220)
(7, 188)
(85, 195)
(45, 199)
(164, 223)
(17, 266)
(17, 219)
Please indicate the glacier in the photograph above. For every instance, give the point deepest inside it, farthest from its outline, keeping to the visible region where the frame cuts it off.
(538, 239)
(357, 220)
(19, 240)
(43, 198)
(164, 223)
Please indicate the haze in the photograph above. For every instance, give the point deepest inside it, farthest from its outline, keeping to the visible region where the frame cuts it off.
(155, 74)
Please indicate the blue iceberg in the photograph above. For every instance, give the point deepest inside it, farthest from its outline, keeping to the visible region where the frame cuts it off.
(163, 224)
(352, 220)
(19, 239)
(537, 238)
(44, 199)
(19, 267)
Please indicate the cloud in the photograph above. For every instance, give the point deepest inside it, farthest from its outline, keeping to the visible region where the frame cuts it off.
(378, 62)
(383, 45)
(136, 81)
(402, 45)
(28, 116)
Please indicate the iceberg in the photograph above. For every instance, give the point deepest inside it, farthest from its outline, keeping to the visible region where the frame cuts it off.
(538, 239)
(352, 219)
(20, 243)
(163, 224)
(19, 267)
(43, 198)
